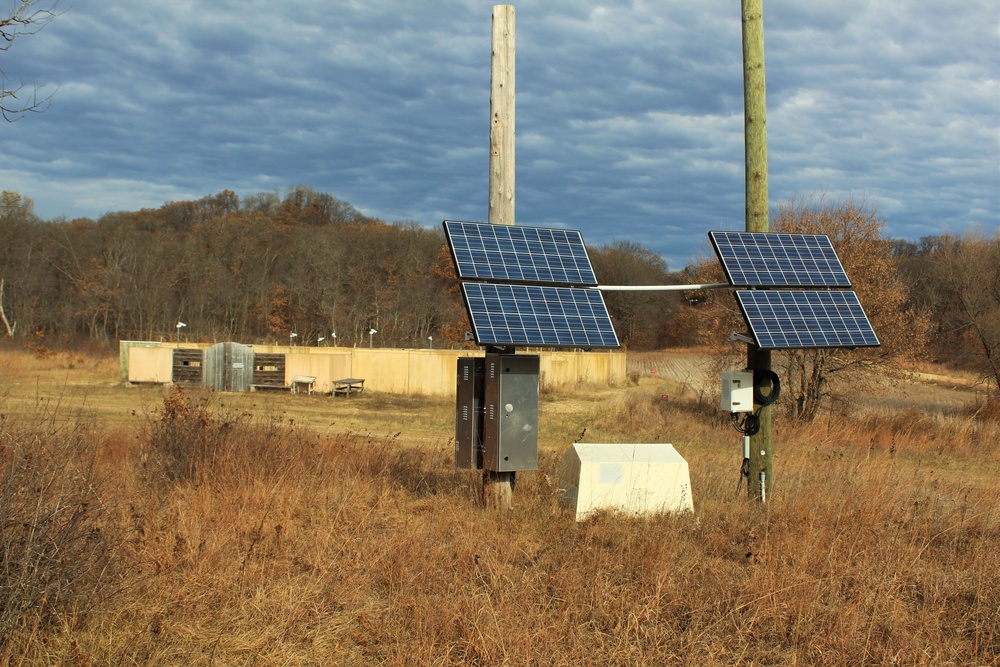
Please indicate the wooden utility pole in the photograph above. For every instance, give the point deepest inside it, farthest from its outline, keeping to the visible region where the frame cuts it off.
(755, 140)
(498, 486)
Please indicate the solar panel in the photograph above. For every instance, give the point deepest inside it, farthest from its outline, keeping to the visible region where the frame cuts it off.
(778, 260)
(519, 254)
(788, 319)
(538, 316)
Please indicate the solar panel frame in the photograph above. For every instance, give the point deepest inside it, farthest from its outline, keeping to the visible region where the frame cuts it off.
(769, 259)
(791, 319)
(538, 316)
(516, 254)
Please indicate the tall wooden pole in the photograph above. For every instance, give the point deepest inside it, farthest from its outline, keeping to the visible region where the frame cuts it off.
(502, 118)
(755, 138)
(498, 486)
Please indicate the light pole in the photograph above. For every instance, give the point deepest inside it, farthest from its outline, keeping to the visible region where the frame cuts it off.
(291, 338)
(371, 332)
(180, 325)
(320, 340)
(430, 342)
(334, 335)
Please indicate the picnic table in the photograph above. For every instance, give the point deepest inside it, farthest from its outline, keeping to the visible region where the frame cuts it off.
(348, 386)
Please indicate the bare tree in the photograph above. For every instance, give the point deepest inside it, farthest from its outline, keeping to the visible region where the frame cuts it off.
(966, 278)
(855, 229)
(11, 328)
(809, 377)
(25, 18)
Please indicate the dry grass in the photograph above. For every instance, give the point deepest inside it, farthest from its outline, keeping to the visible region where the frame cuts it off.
(317, 542)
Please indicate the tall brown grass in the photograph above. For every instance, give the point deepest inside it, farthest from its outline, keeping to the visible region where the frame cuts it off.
(61, 538)
(238, 539)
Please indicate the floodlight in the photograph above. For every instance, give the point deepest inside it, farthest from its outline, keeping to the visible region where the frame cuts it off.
(179, 325)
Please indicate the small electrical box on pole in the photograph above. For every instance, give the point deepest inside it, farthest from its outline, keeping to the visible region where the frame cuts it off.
(737, 392)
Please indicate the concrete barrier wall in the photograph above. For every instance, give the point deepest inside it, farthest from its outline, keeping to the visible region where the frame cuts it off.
(411, 372)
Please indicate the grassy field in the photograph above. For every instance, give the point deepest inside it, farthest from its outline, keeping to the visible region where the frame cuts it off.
(142, 526)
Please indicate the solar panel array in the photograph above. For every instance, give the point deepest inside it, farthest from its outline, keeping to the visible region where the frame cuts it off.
(540, 316)
(788, 319)
(533, 286)
(791, 319)
(778, 260)
(519, 254)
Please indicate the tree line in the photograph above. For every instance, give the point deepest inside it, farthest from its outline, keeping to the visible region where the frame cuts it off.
(262, 267)
(258, 269)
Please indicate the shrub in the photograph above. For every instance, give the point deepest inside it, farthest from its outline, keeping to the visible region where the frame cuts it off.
(59, 537)
(192, 443)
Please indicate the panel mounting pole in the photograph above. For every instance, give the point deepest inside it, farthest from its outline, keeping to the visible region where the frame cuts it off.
(502, 117)
(498, 486)
(755, 142)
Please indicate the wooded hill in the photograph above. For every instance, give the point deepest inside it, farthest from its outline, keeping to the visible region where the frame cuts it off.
(260, 268)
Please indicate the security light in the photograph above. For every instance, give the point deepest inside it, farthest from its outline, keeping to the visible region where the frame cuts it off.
(179, 325)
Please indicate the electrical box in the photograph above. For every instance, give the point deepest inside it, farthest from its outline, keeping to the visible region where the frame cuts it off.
(737, 391)
(640, 479)
(469, 413)
(510, 412)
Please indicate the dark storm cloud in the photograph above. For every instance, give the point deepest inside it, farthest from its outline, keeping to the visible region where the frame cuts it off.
(629, 114)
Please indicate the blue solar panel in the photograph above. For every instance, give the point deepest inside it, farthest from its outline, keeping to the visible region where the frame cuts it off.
(788, 319)
(519, 254)
(538, 316)
(778, 260)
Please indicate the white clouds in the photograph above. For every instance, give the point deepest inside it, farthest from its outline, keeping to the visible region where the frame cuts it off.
(629, 112)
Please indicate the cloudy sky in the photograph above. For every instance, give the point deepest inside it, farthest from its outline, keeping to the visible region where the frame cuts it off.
(629, 113)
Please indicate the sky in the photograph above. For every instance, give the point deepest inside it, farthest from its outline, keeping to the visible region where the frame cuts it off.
(629, 114)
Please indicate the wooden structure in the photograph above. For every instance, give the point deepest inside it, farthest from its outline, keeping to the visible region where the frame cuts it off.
(306, 382)
(348, 386)
(229, 367)
(498, 486)
(755, 149)
(268, 371)
(188, 366)
(410, 372)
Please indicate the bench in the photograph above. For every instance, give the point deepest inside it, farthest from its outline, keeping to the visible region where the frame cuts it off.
(348, 386)
(267, 386)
